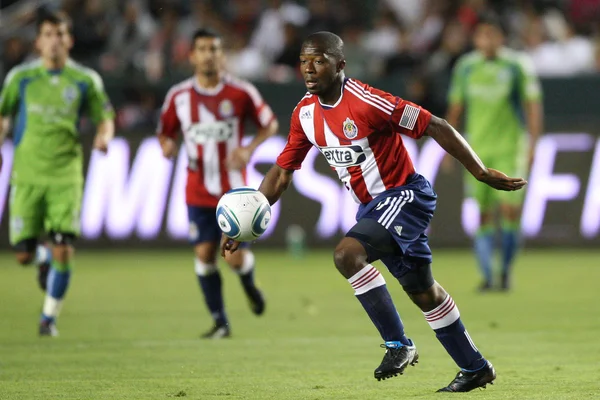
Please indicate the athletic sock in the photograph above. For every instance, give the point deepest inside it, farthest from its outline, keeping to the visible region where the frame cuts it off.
(246, 272)
(210, 282)
(57, 285)
(370, 289)
(510, 246)
(43, 255)
(484, 249)
(450, 331)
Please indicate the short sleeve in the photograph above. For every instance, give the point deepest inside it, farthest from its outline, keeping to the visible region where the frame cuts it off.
(456, 94)
(259, 111)
(99, 106)
(529, 84)
(168, 123)
(297, 145)
(9, 97)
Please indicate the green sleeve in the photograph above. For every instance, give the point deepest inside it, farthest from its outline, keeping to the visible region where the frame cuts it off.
(456, 95)
(529, 84)
(9, 97)
(99, 106)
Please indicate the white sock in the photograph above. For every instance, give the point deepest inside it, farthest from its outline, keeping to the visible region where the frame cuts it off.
(443, 315)
(204, 269)
(52, 306)
(42, 254)
(366, 279)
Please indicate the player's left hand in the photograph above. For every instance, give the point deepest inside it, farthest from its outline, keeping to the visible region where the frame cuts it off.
(228, 244)
(500, 181)
(239, 158)
(101, 143)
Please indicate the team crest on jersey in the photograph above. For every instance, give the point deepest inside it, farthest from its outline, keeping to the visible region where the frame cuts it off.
(350, 129)
(69, 94)
(226, 108)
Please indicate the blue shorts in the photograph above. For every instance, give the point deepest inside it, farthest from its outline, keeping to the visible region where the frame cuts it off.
(405, 212)
(203, 226)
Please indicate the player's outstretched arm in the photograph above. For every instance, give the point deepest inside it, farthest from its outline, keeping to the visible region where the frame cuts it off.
(273, 185)
(451, 141)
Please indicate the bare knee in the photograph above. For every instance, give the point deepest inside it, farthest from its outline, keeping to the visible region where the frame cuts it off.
(349, 257)
(24, 258)
(206, 252)
(62, 252)
(429, 299)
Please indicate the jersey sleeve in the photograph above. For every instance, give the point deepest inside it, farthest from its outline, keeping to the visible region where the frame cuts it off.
(403, 116)
(456, 94)
(259, 111)
(99, 106)
(529, 84)
(168, 123)
(9, 97)
(297, 145)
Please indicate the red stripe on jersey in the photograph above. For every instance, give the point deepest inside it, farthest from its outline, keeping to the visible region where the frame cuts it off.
(198, 178)
(225, 184)
(358, 184)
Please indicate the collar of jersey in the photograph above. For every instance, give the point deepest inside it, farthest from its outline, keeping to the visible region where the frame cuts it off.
(207, 91)
(329, 107)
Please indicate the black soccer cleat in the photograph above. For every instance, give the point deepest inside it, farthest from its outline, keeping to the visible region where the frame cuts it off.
(395, 361)
(42, 276)
(217, 332)
(256, 300)
(467, 381)
(48, 328)
(505, 283)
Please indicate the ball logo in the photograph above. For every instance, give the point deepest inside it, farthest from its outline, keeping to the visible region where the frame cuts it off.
(224, 224)
(350, 129)
(265, 220)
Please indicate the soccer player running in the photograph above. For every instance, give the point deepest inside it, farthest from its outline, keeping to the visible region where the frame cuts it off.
(496, 87)
(210, 109)
(357, 128)
(47, 96)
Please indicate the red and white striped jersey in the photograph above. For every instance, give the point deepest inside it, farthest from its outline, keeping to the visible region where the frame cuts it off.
(359, 137)
(212, 123)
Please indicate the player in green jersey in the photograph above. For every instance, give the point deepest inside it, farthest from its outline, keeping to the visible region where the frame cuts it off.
(45, 99)
(500, 95)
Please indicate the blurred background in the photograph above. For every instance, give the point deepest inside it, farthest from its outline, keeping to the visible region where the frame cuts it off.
(407, 47)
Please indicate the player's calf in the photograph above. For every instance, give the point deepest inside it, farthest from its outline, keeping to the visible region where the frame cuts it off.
(243, 262)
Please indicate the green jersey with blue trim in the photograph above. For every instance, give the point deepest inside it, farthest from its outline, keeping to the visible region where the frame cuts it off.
(494, 93)
(46, 106)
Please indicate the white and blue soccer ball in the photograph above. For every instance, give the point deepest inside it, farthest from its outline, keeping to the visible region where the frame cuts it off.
(243, 214)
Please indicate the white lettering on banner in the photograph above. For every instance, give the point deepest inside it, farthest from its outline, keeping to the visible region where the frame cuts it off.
(590, 217)
(7, 157)
(177, 217)
(544, 186)
(121, 201)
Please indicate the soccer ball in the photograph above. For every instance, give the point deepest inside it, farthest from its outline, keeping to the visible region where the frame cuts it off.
(243, 214)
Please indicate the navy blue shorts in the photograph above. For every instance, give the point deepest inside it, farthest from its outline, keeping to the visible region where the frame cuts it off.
(203, 225)
(405, 212)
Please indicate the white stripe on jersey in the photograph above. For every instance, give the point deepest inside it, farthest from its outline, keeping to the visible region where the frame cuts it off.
(183, 108)
(307, 120)
(366, 100)
(210, 159)
(342, 172)
(370, 170)
(377, 99)
(188, 83)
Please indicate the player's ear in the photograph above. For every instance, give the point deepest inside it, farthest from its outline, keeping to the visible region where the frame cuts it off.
(341, 65)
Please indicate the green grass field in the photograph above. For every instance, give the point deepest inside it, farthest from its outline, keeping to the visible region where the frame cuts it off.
(130, 330)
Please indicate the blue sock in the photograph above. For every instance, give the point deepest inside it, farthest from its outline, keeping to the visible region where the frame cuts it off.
(56, 289)
(371, 291)
(450, 331)
(510, 246)
(484, 249)
(211, 287)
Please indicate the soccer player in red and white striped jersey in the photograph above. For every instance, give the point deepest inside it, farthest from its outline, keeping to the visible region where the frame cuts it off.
(357, 128)
(209, 111)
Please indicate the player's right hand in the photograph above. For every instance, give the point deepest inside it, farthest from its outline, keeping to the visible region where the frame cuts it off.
(228, 244)
(500, 181)
(168, 146)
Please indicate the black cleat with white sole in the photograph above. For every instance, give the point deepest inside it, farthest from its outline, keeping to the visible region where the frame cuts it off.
(467, 381)
(395, 360)
(217, 332)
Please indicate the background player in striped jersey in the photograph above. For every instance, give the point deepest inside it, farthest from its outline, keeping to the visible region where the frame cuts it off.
(210, 109)
(47, 97)
(497, 87)
(357, 128)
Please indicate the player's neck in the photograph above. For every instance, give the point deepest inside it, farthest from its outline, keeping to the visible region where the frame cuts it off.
(331, 96)
(51, 64)
(208, 81)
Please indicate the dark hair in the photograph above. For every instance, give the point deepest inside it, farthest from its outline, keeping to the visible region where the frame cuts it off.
(54, 18)
(329, 42)
(493, 19)
(204, 33)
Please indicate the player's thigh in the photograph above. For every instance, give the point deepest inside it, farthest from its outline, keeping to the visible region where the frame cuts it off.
(26, 213)
(63, 209)
(204, 232)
